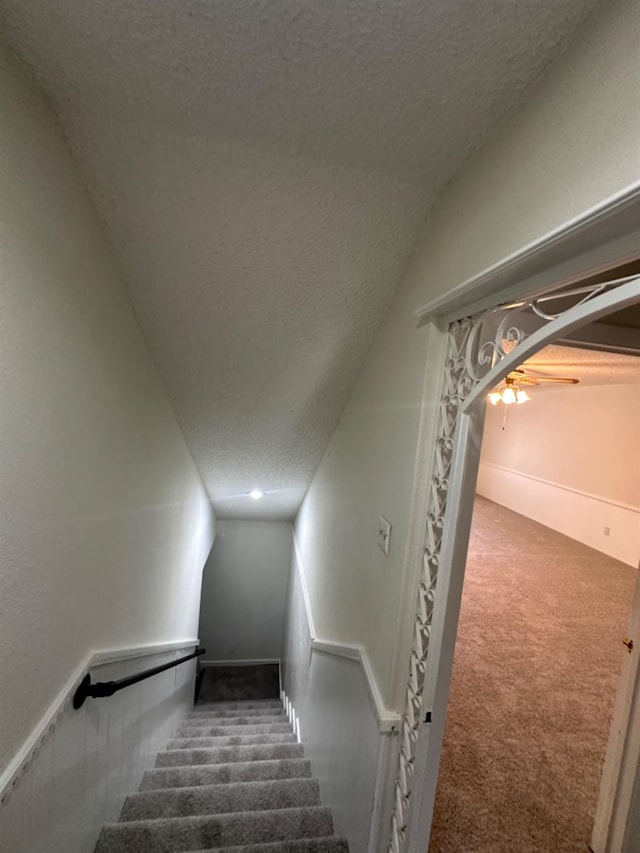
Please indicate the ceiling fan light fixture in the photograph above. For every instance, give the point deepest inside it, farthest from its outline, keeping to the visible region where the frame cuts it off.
(508, 394)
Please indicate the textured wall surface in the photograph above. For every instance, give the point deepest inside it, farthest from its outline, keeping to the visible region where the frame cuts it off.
(575, 143)
(93, 758)
(585, 438)
(244, 590)
(104, 522)
(579, 515)
(337, 722)
(262, 169)
(570, 459)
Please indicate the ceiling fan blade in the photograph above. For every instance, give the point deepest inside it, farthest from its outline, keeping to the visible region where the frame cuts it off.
(562, 380)
(525, 376)
(523, 379)
(531, 371)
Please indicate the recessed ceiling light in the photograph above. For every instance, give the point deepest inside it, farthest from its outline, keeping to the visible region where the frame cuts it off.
(256, 494)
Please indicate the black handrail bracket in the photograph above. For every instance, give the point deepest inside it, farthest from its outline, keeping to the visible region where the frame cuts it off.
(82, 692)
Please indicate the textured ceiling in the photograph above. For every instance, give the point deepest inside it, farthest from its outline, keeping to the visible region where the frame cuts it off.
(590, 367)
(262, 169)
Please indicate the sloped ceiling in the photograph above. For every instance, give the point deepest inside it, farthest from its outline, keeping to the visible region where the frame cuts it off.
(262, 169)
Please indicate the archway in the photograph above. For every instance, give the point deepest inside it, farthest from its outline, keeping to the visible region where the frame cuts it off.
(481, 351)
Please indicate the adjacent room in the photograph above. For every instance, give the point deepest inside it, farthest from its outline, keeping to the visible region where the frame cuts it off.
(549, 583)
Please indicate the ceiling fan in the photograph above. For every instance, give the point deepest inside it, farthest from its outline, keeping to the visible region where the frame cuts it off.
(510, 391)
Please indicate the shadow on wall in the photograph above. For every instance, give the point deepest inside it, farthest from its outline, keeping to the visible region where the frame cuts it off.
(244, 591)
(240, 683)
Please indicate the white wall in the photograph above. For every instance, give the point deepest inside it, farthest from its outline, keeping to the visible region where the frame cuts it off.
(94, 757)
(104, 523)
(569, 459)
(244, 591)
(572, 144)
(337, 720)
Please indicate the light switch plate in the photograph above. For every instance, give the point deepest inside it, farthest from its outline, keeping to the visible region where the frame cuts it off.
(384, 535)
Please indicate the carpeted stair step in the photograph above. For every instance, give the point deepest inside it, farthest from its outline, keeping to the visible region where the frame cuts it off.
(221, 774)
(227, 754)
(213, 720)
(234, 740)
(208, 730)
(300, 845)
(238, 708)
(232, 780)
(214, 799)
(269, 713)
(244, 705)
(222, 830)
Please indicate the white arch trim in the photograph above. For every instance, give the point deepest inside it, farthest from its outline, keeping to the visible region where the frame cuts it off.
(600, 306)
(448, 525)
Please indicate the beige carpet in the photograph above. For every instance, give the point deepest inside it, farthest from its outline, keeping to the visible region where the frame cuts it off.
(535, 671)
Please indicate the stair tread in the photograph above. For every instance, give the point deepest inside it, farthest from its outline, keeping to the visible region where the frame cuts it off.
(227, 754)
(222, 830)
(230, 740)
(221, 798)
(223, 773)
(328, 844)
(231, 731)
(238, 715)
(233, 779)
(242, 703)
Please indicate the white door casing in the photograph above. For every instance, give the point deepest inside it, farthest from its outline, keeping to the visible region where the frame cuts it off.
(622, 759)
(475, 362)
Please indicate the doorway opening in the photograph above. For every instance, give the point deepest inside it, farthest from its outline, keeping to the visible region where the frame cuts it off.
(481, 351)
(543, 613)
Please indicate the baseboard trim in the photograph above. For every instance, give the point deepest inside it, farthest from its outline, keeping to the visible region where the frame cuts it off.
(290, 711)
(27, 752)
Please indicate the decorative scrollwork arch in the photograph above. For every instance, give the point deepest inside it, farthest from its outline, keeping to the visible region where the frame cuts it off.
(475, 359)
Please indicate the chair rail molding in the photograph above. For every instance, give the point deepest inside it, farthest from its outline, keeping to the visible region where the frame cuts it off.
(21, 762)
(563, 487)
(303, 586)
(388, 720)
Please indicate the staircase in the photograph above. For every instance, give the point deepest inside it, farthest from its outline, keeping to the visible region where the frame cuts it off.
(233, 779)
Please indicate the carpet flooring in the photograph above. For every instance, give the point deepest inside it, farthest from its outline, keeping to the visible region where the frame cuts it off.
(232, 780)
(535, 673)
(238, 683)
